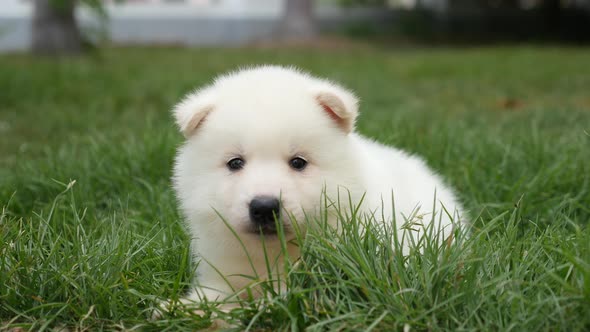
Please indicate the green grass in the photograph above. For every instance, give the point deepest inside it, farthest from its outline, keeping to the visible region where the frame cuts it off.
(90, 236)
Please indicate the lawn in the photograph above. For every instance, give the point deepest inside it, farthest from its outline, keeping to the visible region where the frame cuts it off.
(90, 236)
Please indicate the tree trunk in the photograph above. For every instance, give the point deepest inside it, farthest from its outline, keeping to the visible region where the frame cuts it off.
(551, 12)
(54, 28)
(297, 22)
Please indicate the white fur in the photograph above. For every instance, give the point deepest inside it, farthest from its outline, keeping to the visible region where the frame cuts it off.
(268, 115)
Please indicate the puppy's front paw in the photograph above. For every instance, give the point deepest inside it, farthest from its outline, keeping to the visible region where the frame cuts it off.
(182, 305)
(193, 304)
(214, 314)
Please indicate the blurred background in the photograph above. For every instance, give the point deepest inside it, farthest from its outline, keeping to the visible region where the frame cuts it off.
(65, 26)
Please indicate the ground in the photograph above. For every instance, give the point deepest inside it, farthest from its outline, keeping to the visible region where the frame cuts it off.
(90, 236)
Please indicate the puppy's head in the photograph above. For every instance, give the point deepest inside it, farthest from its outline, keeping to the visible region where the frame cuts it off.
(262, 144)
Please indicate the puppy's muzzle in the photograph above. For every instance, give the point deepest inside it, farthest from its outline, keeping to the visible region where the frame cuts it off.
(263, 212)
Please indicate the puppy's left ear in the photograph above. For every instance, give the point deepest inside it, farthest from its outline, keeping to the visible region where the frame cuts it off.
(339, 104)
(192, 110)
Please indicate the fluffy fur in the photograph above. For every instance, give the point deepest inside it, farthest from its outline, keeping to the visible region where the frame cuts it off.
(267, 116)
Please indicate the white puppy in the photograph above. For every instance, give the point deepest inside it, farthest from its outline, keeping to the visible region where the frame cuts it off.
(265, 142)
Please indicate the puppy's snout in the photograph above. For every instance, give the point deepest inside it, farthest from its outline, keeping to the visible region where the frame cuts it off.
(263, 210)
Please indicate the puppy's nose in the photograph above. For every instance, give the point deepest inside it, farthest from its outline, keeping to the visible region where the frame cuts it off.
(263, 210)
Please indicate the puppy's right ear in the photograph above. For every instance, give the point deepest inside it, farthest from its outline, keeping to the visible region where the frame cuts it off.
(340, 104)
(192, 110)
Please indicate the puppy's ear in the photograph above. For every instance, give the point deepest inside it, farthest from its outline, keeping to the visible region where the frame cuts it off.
(340, 104)
(192, 110)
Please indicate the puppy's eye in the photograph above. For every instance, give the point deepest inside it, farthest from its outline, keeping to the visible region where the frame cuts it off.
(298, 163)
(236, 164)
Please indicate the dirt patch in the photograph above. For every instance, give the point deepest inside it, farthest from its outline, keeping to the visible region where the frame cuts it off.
(320, 43)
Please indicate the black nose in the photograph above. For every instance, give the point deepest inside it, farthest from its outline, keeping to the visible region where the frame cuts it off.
(263, 210)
